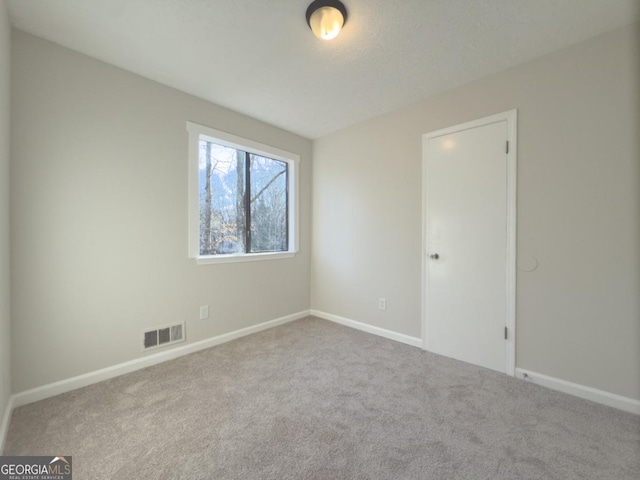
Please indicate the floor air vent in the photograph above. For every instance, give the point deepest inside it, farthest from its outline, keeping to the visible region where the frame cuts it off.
(162, 336)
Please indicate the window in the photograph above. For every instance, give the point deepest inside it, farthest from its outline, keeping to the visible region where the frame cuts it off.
(242, 198)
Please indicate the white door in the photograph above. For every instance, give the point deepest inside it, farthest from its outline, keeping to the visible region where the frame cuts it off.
(469, 242)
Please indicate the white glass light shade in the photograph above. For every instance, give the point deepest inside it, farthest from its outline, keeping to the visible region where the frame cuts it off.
(326, 22)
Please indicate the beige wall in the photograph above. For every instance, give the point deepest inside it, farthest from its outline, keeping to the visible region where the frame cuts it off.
(578, 314)
(5, 355)
(99, 203)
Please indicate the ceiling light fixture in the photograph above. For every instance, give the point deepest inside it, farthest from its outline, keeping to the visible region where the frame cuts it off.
(326, 18)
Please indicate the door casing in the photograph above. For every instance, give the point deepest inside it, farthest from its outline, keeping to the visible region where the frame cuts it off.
(511, 117)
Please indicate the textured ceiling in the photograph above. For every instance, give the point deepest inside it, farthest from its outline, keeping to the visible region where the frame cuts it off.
(258, 57)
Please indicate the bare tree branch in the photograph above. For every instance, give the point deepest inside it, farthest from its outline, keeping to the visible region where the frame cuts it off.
(257, 195)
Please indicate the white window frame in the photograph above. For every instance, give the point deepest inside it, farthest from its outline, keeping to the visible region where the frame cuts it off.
(198, 132)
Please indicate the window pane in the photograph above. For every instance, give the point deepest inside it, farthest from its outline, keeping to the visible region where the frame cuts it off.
(222, 180)
(268, 205)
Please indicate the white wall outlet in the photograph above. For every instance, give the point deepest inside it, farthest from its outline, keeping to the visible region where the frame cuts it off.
(204, 312)
(382, 303)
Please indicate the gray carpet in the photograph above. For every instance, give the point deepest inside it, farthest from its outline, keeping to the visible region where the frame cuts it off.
(315, 400)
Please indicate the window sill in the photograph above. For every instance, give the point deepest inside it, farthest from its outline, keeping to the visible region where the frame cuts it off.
(245, 257)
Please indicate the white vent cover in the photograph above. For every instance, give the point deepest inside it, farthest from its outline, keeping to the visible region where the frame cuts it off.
(162, 336)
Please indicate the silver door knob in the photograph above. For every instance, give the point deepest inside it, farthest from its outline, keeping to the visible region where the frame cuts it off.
(434, 256)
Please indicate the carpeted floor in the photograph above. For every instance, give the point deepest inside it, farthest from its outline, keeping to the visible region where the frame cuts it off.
(315, 400)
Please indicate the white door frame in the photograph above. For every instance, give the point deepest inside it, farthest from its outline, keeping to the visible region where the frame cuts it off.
(511, 117)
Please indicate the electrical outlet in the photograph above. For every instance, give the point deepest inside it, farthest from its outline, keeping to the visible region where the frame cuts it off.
(382, 303)
(204, 312)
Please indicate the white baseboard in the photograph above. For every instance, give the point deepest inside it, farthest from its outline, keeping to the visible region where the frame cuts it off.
(600, 396)
(582, 391)
(4, 426)
(62, 386)
(391, 335)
